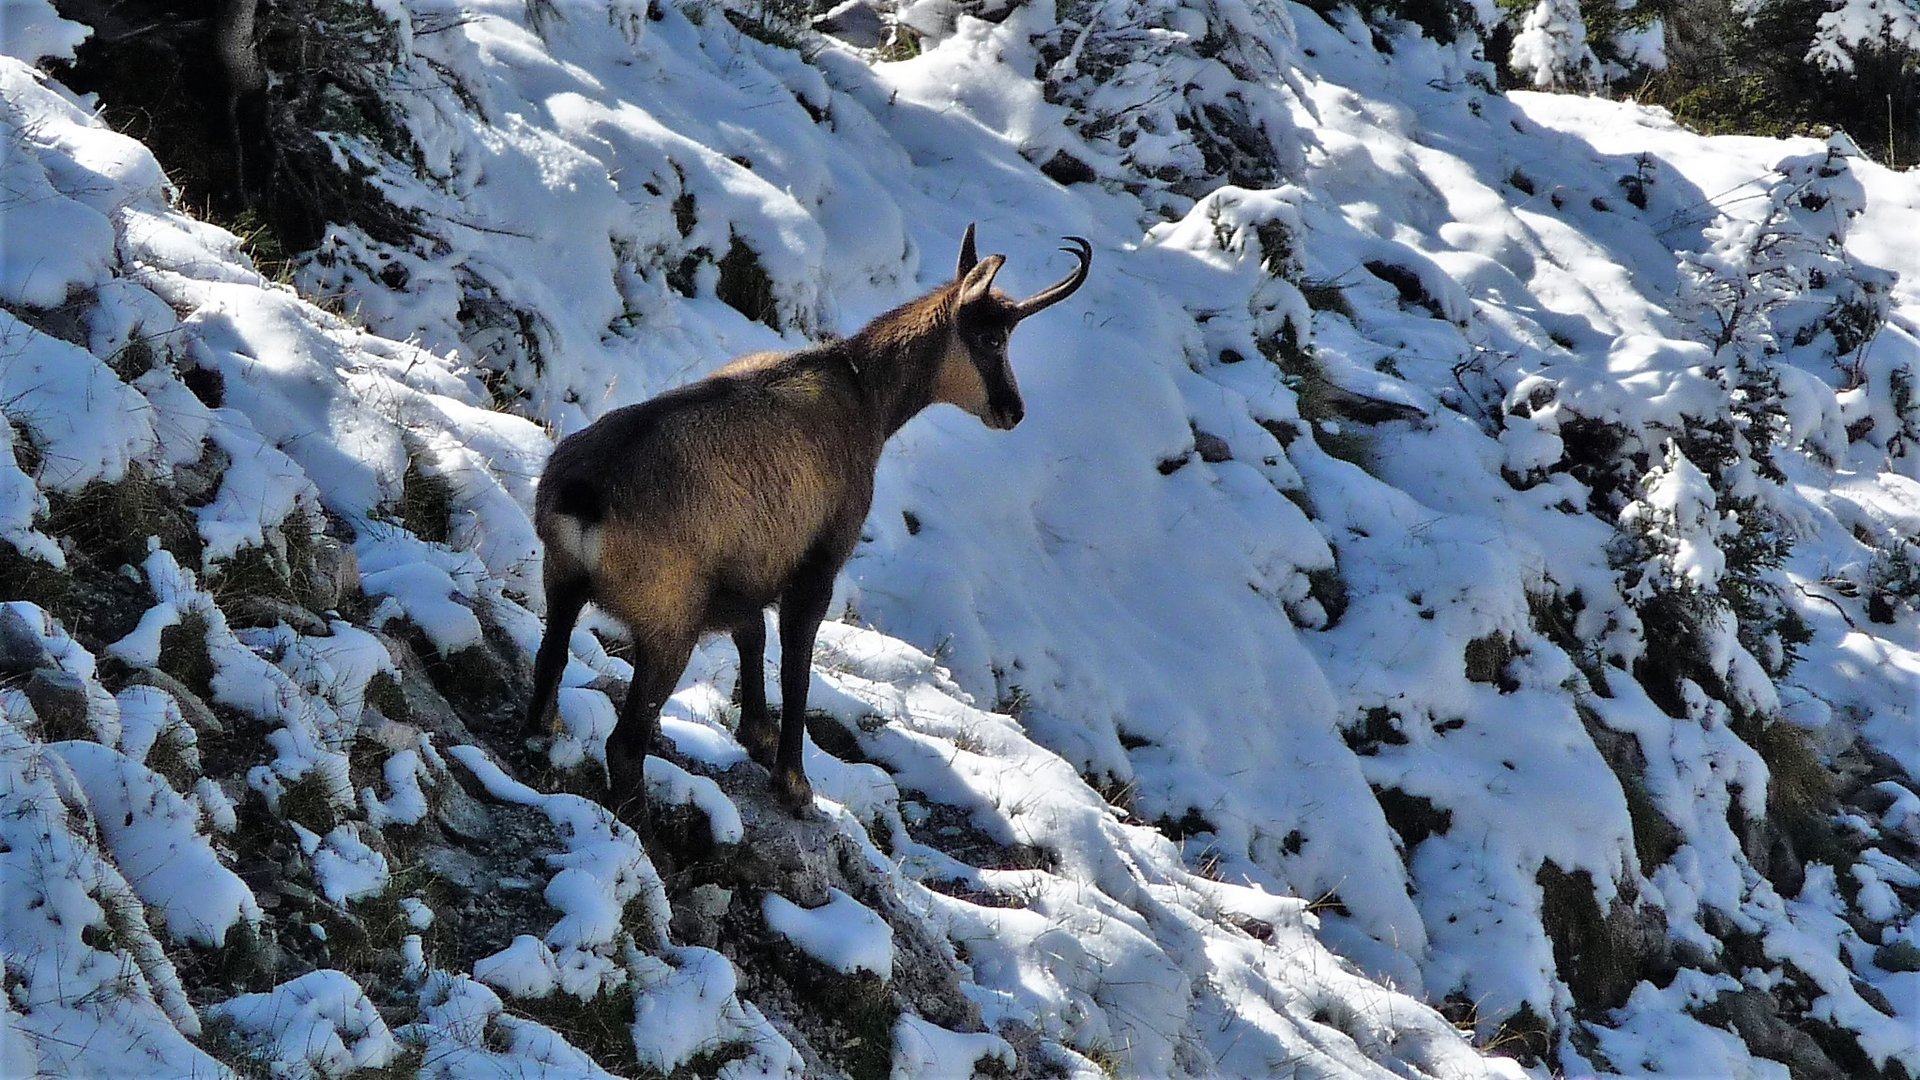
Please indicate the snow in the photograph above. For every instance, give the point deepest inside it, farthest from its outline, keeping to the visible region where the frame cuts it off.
(154, 837)
(404, 774)
(49, 385)
(1094, 640)
(318, 1025)
(523, 969)
(691, 1005)
(77, 1008)
(924, 1049)
(36, 31)
(347, 868)
(841, 933)
(466, 1032)
(670, 785)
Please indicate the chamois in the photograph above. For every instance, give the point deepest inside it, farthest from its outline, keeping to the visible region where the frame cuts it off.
(696, 510)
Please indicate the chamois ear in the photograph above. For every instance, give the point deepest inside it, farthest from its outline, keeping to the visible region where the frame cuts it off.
(978, 281)
(967, 256)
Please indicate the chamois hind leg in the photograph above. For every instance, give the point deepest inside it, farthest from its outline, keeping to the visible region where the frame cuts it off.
(802, 607)
(756, 725)
(565, 597)
(655, 671)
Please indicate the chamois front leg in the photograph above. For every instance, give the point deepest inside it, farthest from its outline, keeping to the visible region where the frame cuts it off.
(655, 671)
(756, 724)
(801, 608)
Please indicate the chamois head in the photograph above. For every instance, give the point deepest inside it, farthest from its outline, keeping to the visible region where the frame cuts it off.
(975, 373)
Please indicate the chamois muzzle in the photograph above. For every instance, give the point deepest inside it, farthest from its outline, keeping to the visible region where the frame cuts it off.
(1063, 288)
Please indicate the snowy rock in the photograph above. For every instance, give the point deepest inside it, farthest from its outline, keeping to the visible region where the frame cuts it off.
(1755, 1015)
(1212, 448)
(842, 934)
(524, 969)
(923, 1049)
(857, 22)
(192, 708)
(198, 481)
(60, 700)
(21, 650)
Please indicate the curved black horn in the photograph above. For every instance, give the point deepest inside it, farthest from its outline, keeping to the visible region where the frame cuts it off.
(1066, 286)
(968, 258)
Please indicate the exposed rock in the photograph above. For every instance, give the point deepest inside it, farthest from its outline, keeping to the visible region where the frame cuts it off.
(194, 710)
(426, 709)
(697, 914)
(392, 735)
(1065, 169)
(461, 869)
(1897, 956)
(1212, 448)
(266, 610)
(461, 814)
(20, 648)
(1601, 956)
(1873, 996)
(335, 577)
(59, 699)
(1754, 1015)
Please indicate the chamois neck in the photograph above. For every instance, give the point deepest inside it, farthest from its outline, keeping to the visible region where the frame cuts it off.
(897, 357)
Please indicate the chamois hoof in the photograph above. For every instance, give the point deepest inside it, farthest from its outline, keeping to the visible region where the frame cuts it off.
(790, 786)
(761, 742)
(627, 790)
(766, 759)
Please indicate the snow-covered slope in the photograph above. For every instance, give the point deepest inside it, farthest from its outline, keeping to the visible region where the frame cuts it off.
(1461, 552)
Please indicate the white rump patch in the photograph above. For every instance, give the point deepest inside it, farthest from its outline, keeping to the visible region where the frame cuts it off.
(580, 541)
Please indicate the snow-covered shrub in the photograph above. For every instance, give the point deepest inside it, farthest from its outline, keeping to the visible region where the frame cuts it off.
(1173, 100)
(1893, 576)
(1700, 563)
(1849, 31)
(1583, 45)
(1783, 282)
(1700, 547)
(1551, 47)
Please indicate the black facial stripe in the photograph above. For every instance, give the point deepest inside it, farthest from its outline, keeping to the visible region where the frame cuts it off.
(1001, 394)
(993, 367)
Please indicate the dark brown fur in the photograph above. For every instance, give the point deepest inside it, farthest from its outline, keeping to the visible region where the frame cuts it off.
(692, 512)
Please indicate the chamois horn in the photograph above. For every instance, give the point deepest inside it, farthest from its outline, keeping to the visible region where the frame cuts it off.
(1063, 288)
